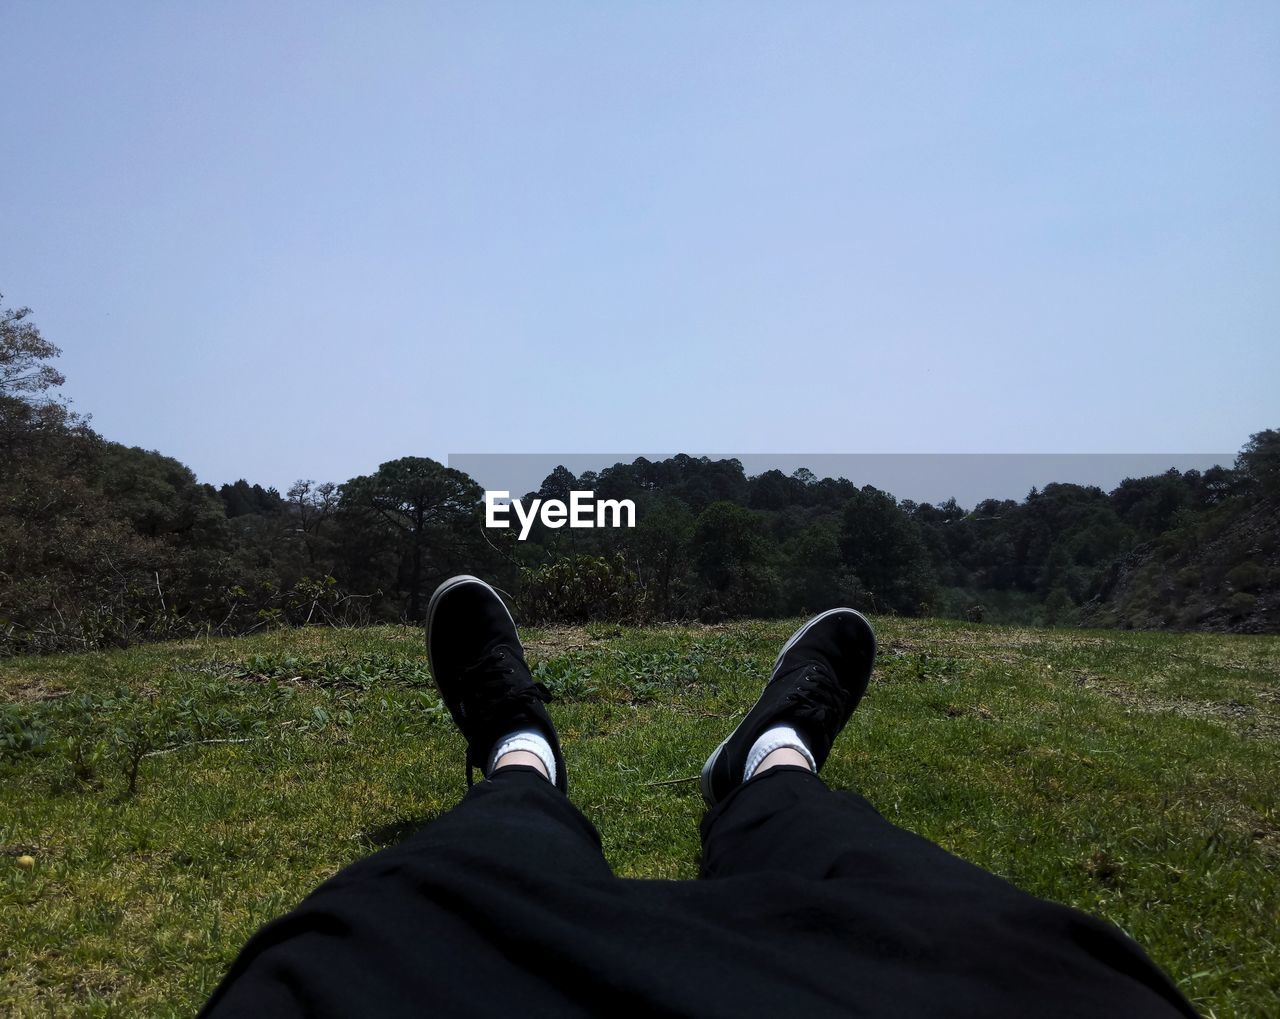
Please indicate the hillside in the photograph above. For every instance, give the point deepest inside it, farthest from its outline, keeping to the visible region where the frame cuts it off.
(1220, 573)
(1135, 775)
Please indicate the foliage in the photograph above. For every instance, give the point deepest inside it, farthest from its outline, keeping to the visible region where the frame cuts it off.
(817, 577)
(577, 589)
(427, 516)
(884, 550)
(1259, 462)
(23, 355)
(360, 670)
(19, 733)
(566, 677)
(735, 563)
(649, 674)
(662, 543)
(102, 545)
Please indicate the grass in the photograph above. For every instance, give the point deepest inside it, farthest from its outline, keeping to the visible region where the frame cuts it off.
(1134, 775)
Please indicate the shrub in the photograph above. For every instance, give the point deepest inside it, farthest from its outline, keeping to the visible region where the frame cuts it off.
(566, 677)
(1248, 576)
(1241, 604)
(19, 734)
(579, 589)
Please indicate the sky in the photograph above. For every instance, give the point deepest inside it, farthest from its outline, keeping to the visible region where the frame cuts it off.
(283, 241)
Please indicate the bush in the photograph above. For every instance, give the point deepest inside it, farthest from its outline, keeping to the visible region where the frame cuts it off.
(19, 734)
(1059, 609)
(1247, 576)
(1241, 604)
(580, 589)
(567, 677)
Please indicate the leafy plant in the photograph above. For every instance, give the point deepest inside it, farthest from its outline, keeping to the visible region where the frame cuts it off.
(362, 670)
(580, 589)
(567, 677)
(20, 733)
(648, 674)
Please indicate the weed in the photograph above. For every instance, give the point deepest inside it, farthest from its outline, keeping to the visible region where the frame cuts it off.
(20, 733)
(567, 677)
(650, 674)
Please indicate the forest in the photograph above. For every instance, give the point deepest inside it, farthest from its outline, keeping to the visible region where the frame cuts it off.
(103, 545)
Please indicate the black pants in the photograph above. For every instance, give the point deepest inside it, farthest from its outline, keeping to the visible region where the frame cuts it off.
(812, 904)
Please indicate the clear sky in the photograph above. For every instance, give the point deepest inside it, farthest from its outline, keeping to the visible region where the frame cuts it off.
(295, 240)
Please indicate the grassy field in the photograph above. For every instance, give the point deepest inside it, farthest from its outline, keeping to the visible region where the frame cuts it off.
(1134, 775)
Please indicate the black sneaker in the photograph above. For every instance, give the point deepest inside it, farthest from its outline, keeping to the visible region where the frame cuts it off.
(820, 675)
(478, 664)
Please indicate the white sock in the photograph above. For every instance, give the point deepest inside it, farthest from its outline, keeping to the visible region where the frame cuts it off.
(529, 740)
(777, 738)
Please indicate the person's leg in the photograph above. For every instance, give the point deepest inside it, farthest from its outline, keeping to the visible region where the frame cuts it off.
(424, 921)
(928, 930)
(437, 921)
(787, 819)
(415, 922)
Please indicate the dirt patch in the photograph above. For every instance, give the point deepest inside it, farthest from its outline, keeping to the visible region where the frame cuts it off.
(31, 689)
(1103, 868)
(1247, 719)
(970, 645)
(25, 849)
(1264, 834)
(557, 641)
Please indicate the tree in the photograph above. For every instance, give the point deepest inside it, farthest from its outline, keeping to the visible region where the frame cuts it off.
(882, 547)
(1150, 504)
(157, 494)
(558, 484)
(700, 481)
(76, 569)
(661, 541)
(29, 426)
(427, 514)
(814, 576)
(735, 562)
(22, 353)
(773, 490)
(242, 499)
(312, 506)
(1259, 462)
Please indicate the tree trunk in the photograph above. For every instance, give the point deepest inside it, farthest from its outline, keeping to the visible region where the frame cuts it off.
(415, 576)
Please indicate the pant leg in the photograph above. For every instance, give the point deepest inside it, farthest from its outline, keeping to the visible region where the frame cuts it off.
(947, 917)
(421, 924)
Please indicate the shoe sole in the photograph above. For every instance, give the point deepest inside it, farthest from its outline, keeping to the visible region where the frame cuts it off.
(705, 780)
(441, 591)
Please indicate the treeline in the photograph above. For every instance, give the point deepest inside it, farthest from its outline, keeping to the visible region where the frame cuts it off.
(1180, 549)
(104, 545)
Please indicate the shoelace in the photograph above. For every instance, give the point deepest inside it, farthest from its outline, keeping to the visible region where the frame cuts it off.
(484, 682)
(487, 667)
(820, 697)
